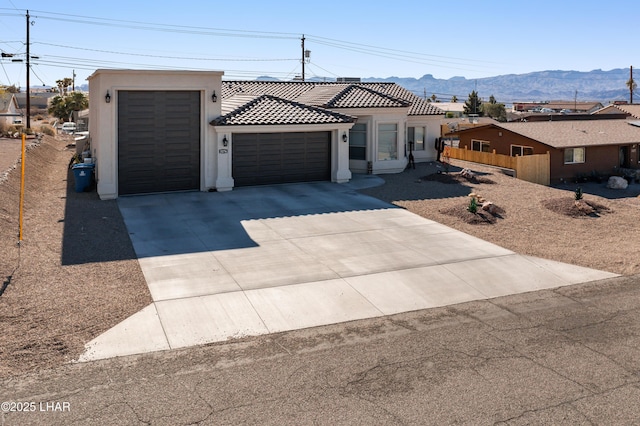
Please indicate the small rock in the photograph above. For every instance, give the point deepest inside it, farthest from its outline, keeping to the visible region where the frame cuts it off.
(616, 182)
(466, 173)
(488, 206)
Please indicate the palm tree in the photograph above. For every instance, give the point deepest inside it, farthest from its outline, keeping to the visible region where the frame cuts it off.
(631, 84)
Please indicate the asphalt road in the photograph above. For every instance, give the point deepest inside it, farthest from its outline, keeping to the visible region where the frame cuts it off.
(564, 356)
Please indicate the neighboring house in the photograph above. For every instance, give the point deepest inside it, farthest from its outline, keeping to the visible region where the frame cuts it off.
(557, 106)
(10, 113)
(630, 110)
(451, 109)
(450, 127)
(156, 131)
(575, 147)
(37, 100)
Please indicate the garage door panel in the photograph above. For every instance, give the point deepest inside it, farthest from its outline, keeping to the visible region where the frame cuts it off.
(158, 141)
(270, 158)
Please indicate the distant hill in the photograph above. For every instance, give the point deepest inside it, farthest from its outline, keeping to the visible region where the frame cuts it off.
(596, 85)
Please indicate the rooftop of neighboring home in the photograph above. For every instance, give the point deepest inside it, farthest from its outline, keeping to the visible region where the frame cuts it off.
(629, 109)
(566, 134)
(573, 106)
(275, 102)
(5, 102)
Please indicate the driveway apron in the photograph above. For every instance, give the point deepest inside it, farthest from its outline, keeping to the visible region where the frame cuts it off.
(260, 260)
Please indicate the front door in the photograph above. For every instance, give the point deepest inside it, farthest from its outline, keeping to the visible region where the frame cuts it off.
(624, 157)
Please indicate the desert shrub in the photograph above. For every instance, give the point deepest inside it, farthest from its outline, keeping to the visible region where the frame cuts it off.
(47, 130)
(473, 205)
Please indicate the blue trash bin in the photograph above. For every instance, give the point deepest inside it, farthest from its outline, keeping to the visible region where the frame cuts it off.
(83, 173)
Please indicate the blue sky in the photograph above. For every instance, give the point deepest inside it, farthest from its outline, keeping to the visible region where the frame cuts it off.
(247, 39)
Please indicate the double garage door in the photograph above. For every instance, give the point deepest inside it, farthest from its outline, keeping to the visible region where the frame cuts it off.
(159, 134)
(270, 158)
(158, 141)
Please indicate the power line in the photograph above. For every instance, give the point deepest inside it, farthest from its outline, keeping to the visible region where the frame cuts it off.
(171, 57)
(394, 54)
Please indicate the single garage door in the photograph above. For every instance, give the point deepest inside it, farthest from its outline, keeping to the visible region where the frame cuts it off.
(269, 158)
(158, 141)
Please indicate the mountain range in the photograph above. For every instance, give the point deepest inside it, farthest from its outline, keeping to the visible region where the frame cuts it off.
(596, 85)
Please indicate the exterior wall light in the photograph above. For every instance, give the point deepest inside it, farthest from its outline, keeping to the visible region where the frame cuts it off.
(107, 97)
(225, 141)
(214, 97)
(344, 137)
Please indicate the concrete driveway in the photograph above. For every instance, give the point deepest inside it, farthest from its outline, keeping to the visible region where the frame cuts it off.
(269, 259)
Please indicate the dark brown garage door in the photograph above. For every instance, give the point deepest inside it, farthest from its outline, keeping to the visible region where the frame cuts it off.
(158, 141)
(269, 158)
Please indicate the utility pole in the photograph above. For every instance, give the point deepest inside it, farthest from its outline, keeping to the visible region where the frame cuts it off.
(302, 57)
(631, 84)
(28, 72)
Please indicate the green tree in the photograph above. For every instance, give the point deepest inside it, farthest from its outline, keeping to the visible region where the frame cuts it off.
(473, 105)
(10, 89)
(434, 98)
(454, 99)
(62, 106)
(64, 84)
(496, 111)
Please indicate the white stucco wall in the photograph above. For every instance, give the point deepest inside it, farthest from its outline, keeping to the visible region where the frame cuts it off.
(432, 125)
(103, 126)
(373, 117)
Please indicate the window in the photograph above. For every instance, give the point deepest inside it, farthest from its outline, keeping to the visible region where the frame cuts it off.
(482, 146)
(417, 135)
(387, 142)
(358, 142)
(521, 150)
(573, 155)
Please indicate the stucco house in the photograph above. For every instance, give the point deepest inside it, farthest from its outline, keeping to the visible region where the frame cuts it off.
(157, 131)
(576, 148)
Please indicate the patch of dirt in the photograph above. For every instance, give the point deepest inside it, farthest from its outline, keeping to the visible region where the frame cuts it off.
(541, 221)
(73, 276)
(451, 178)
(575, 208)
(480, 217)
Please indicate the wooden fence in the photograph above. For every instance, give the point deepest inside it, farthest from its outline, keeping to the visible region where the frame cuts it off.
(532, 168)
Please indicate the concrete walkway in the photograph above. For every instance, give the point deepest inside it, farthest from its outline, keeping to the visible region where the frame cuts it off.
(269, 259)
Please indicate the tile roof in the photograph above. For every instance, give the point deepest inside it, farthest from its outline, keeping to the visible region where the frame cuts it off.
(566, 134)
(354, 96)
(271, 110)
(335, 95)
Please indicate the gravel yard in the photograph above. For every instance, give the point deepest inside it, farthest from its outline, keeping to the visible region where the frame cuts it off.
(526, 224)
(75, 274)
